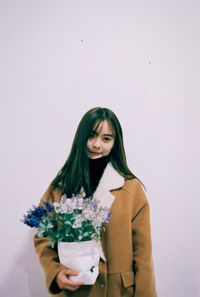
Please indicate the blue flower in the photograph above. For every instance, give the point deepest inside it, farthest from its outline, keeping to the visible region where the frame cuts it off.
(34, 216)
(39, 211)
(47, 205)
(31, 220)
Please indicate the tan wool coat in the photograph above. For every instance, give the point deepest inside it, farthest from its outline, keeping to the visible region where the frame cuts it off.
(126, 242)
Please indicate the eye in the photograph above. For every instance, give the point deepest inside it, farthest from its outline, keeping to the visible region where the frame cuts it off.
(107, 139)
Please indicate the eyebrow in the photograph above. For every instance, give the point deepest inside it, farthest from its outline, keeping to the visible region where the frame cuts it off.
(109, 135)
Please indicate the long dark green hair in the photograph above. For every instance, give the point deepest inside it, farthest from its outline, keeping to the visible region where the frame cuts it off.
(74, 175)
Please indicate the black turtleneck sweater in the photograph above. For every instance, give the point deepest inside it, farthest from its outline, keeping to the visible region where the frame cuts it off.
(96, 167)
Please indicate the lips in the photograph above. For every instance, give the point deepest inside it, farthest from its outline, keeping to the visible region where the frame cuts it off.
(95, 153)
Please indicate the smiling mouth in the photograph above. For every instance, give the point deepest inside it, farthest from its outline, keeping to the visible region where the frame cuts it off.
(95, 153)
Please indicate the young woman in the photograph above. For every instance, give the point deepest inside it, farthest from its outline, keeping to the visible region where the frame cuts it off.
(97, 165)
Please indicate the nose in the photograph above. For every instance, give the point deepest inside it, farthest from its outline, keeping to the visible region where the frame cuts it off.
(97, 143)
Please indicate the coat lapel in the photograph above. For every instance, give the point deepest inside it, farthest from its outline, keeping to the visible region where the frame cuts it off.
(110, 180)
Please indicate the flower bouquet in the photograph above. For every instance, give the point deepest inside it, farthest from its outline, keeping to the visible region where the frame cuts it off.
(75, 225)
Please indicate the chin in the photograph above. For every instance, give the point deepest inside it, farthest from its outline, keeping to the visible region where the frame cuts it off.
(95, 156)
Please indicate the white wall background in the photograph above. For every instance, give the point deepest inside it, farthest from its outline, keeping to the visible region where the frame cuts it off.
(139, 58)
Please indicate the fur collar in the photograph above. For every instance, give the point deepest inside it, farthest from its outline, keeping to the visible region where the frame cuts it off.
(110, 180)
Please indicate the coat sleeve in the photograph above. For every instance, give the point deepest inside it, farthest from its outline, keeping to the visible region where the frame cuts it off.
(48, 257)
(142, 246)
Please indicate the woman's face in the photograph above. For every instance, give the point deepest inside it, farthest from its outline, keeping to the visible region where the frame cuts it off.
(101, 141)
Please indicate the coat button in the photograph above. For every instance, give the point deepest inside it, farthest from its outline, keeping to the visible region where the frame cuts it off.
(102, 285)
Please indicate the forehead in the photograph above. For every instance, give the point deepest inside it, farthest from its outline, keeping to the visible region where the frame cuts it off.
(104, 127)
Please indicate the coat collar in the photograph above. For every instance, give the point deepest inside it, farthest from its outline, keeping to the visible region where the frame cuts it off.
(110, 180)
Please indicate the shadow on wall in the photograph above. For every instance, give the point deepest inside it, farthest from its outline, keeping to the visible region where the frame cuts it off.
(26, 278)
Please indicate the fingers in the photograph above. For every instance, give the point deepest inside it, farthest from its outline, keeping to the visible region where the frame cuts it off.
(71, 283)
(64, 282)
(68, 271)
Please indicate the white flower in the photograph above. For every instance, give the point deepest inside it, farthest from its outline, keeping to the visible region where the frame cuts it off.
(79, 202)
(78, 222)
(56, 207)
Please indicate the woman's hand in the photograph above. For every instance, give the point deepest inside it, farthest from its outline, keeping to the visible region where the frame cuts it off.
(63, 281)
